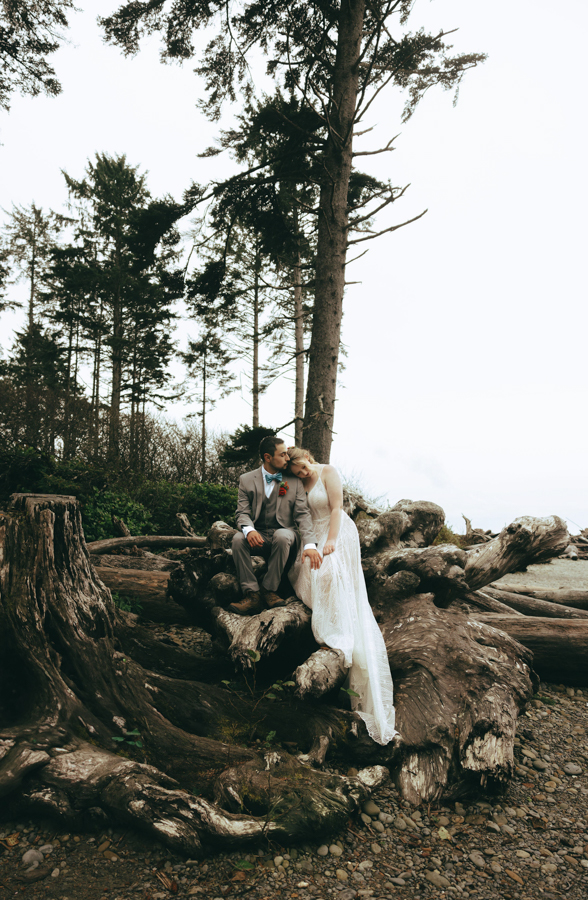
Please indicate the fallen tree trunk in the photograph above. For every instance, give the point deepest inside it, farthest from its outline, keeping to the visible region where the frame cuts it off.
(458, 687)
(574, 598)
(135, 583)
(559, 646)
(526, 541)
(150, 563)
(154, 541)
(530, 606)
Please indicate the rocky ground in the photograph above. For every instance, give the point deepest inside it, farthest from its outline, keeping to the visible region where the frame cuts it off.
(530, 842)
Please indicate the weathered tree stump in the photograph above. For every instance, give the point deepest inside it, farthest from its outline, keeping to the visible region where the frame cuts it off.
(72, 692)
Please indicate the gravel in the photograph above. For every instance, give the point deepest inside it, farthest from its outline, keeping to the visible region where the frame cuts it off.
(529, 842)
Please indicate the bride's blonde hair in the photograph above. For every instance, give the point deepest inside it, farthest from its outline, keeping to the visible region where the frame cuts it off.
(297, 454)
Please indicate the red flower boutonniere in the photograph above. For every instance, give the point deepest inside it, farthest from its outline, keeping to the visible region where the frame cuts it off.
(283, 488)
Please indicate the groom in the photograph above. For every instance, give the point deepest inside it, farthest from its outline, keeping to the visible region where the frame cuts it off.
(268, 509)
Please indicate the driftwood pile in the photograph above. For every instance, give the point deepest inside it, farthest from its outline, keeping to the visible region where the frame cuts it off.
(220, 764)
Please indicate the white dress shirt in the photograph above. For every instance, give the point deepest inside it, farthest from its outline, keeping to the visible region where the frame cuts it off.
(268, 487)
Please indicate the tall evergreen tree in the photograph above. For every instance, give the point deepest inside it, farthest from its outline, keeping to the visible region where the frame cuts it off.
(30, 237)
(337, 57)
(126, 268)
(208, 363)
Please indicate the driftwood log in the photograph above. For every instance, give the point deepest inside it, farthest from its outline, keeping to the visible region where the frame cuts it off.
(154, 541)
(459, 684)
(86, 679)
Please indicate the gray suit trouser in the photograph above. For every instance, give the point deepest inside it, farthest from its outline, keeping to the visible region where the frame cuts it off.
(276, 549)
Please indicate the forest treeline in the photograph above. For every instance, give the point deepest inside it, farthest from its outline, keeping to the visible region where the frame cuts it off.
(103, 283)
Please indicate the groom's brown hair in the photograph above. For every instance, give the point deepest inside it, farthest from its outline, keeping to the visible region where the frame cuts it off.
(269, 444)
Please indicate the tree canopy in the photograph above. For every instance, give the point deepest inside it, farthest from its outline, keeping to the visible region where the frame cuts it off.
(30, 30)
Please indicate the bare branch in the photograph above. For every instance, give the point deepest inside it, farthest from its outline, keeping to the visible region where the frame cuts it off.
(387, 149)
(370, 237)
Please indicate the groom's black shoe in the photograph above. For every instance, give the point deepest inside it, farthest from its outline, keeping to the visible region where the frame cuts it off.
(250, 605)
(272, 600)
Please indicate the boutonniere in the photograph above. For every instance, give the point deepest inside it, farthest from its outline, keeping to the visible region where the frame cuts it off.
(283, 488)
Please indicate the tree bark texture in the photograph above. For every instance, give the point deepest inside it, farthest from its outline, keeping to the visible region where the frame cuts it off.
(333, 227)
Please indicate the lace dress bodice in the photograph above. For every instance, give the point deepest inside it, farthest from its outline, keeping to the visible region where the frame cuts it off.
(342, 617)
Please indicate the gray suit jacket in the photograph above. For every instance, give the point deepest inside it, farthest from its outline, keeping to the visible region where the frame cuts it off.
(291, 510)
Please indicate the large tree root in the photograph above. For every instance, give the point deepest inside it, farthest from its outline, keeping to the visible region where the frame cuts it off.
(459, 687)
(72, 692)
(273, 798)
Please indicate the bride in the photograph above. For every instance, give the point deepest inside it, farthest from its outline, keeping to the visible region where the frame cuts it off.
(342, 617)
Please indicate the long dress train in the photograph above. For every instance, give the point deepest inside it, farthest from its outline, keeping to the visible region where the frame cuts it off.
(342, 617)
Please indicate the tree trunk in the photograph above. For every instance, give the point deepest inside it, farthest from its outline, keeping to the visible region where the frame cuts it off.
(135, 583)
(526, 540)
(333, 226)
(255, 373)
(298, 342)
(148, 563)
(575, 598)
(530, 606)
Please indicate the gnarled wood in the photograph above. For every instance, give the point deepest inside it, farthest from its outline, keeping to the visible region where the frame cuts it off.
(324, 671)
(527, 540)
(184, 523)
(458, 688)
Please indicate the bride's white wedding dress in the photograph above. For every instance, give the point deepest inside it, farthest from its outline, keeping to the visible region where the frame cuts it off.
(342, 617)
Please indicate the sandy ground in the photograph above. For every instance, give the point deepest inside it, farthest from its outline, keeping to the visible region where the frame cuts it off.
(557, 573)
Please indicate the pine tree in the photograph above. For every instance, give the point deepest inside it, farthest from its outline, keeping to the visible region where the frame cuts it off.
(208, 363)
(336, 57)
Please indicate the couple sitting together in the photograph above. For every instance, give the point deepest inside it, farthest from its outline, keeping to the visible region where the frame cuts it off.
(288, 492)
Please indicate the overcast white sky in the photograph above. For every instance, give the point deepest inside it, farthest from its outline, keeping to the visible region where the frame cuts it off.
(466, 378)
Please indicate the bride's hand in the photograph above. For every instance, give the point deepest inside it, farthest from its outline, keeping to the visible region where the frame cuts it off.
(329, 548)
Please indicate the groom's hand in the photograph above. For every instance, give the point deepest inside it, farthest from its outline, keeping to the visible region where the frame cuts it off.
(314, 557)
(254, 539)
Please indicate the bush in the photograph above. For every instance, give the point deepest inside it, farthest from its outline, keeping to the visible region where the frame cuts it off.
(203, 503)
(146, 506)
(102, 505)
(448, 536)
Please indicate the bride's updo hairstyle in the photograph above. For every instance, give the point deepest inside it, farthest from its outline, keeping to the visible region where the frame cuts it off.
(297, 454)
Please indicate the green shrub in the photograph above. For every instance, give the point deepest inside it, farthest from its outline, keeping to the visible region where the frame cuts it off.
(448, 536)
(145, 506)
(102, 505)
(203, 504)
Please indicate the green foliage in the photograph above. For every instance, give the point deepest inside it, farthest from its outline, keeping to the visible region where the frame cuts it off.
(125, 740)
(147, 507)
(203, 503)
(448, 536)
(127, 604)
(243, 446)
(102, 505)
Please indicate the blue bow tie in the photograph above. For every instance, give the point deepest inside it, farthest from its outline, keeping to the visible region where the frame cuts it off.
(276, 477)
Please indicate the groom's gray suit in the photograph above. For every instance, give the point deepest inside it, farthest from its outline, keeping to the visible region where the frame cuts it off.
(275, 518)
